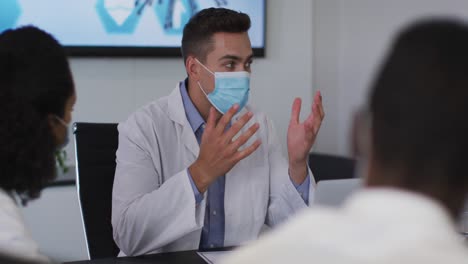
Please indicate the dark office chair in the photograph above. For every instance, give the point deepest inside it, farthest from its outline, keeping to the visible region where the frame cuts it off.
(95, 146)
(330, 167)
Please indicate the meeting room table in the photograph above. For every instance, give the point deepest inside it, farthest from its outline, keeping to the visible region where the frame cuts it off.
(180, 257)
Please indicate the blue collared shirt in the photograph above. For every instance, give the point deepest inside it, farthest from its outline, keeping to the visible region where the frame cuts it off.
(213, 227)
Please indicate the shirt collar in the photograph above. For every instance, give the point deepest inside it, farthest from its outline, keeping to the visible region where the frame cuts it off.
(193, 116)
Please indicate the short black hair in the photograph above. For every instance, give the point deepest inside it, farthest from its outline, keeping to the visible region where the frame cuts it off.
(35, 81)
(419, 107)
(196, 40)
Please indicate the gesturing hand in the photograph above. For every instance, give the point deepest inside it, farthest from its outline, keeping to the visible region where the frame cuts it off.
(301, 136)
(218, 151)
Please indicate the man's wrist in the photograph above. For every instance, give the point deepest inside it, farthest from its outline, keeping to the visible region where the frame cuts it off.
(298, 171)
(199, 176)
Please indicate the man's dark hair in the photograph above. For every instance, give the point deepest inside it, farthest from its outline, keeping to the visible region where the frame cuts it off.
(198, 32)
(419, 106)
(35, 82)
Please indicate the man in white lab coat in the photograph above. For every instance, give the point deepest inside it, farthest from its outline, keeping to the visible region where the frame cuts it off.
(414, 138)
(200, 168)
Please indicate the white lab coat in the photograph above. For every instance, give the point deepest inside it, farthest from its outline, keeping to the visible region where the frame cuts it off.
(153, 204)
(384, 226)
(15, 239)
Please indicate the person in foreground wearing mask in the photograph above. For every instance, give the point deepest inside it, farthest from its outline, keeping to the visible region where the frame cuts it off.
(413, 136)
(201, 168)
(37, 95)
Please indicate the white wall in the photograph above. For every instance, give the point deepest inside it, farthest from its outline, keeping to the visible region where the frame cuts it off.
(110, 89)
(325, 69)
(351, 37)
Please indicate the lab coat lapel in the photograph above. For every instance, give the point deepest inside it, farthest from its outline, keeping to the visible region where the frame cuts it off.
(176, 112)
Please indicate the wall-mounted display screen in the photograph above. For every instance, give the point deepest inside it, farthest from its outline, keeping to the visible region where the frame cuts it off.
(123, 27)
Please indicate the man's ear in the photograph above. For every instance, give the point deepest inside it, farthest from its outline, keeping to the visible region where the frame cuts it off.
(193, 68)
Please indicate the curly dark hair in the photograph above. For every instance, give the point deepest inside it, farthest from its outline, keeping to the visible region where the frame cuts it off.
(196, 40)
(35, 82)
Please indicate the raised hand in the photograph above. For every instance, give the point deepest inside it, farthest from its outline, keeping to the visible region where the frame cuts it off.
(301, 137)
(218, 151)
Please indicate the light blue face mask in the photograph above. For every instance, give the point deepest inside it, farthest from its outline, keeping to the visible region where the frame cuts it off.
(230, 88)
(66, 139)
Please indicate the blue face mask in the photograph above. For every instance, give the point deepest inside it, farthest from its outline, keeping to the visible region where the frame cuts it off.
(230, 88)
(66, 140)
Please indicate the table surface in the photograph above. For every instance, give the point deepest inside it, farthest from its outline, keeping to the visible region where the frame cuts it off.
(185, 257)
